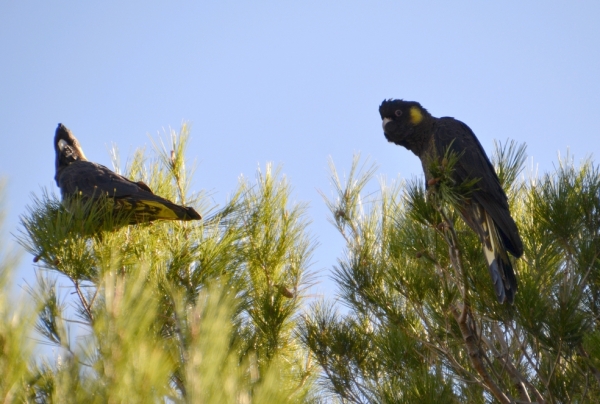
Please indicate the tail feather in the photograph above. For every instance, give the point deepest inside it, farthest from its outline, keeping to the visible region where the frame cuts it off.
(501, 270)
(504, 280)
(145, 210)
(494, 249)
(188, 213)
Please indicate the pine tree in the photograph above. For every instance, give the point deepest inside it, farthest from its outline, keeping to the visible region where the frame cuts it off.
(423, 324)
(16, 346)
(179, 311)
(213, 311)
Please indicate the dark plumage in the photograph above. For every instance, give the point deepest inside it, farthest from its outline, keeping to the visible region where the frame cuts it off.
(408, 124)
(75, 175)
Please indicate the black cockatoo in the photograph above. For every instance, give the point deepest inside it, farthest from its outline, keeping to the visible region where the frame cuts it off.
(76, 176)
(408, 124)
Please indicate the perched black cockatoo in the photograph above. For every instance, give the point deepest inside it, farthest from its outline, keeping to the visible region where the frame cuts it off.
(75, 175)
(408, 124)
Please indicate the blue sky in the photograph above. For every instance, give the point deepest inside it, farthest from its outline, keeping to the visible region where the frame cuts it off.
(290, 83)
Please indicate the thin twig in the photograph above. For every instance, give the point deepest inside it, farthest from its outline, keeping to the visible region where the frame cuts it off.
(475, 354)
(468, 332)
(84, 302)
(516, 377)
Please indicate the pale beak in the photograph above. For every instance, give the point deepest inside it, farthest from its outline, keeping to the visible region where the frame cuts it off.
(62, 144)
(385, 122)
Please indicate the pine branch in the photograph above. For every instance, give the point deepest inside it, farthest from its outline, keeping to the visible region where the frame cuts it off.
(476, 354)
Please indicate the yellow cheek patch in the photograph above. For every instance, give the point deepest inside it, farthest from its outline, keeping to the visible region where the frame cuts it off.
(416, 116)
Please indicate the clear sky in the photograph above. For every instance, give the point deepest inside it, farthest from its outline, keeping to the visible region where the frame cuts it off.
(291, 83)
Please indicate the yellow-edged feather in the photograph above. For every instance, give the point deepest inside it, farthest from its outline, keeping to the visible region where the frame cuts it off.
(153, 209)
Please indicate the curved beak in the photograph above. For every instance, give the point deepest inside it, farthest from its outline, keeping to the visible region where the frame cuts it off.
(385, 122)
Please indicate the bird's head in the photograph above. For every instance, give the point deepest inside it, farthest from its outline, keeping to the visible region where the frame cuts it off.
(67, 147)
(400, 118)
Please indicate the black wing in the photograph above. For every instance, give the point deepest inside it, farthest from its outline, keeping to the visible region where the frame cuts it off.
(472, 164)
(93, 180)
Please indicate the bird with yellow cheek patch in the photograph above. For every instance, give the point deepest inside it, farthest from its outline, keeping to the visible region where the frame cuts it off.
(408, 124)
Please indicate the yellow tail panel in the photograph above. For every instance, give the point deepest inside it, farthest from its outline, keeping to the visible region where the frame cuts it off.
(150, 210)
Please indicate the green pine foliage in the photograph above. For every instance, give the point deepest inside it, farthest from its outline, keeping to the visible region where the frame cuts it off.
(16, 326)
(216, 311)
(180, 311)
(423, 323)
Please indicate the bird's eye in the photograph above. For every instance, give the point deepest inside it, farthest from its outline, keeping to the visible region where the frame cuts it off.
(398, 112)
